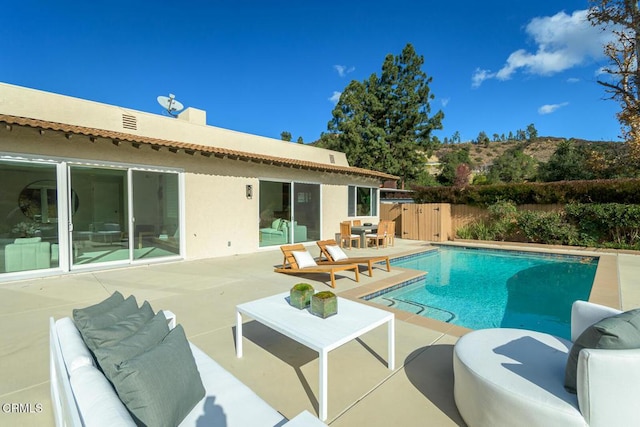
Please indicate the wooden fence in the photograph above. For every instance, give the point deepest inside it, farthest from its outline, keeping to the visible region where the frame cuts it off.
(438, 222)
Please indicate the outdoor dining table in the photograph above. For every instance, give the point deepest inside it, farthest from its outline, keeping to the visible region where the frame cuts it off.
(362, 230)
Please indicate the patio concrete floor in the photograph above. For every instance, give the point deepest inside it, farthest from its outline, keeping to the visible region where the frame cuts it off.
(204, 293)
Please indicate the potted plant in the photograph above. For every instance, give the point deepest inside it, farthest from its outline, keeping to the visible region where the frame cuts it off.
(324, 304)
(300, 295)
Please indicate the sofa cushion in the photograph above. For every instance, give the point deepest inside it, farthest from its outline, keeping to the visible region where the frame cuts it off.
(304, 259)
(97, 400)
(276, 223)
(228, 402)
(162, 385)
(147, 336)
(74, 350)
(81, 315)
(619, 332)
(96, 337)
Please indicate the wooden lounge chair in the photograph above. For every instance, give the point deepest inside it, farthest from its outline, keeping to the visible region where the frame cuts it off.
(290, 264)
(369, 260)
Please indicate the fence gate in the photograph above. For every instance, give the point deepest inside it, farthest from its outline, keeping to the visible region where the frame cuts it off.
(429, 221)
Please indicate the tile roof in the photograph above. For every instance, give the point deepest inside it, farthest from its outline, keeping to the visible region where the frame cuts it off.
(175, 146)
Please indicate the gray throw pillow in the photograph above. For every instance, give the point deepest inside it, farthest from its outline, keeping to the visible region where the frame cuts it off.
(161, 386)
(619, 332)
(96, 337)
(81, 315)
(148, 336)
(109, 317)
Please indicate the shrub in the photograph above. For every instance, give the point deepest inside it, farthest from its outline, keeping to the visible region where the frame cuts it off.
(546, 227)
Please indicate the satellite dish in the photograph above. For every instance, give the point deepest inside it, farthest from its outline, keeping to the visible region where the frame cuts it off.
(170, 104)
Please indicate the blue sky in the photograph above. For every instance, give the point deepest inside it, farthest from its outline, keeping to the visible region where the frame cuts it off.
(265, 67)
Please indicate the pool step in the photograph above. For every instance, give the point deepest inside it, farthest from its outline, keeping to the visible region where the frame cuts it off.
(417, 308)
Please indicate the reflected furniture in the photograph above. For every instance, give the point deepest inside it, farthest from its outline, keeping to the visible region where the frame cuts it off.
(279, 232)
(29, 253)
(322, 335)
(516, 377)
(330, 259)
(290, 264)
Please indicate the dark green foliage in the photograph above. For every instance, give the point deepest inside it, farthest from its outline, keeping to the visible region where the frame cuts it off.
(450, 163)
(546, 227)
(611, 225)
(383, 123)
(598, 191)
(568, 162)
(513, 166)
(611, 222)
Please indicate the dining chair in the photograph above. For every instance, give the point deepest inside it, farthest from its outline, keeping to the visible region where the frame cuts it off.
(378, 236)
(356, 223)
(391, 232)
(347, 236)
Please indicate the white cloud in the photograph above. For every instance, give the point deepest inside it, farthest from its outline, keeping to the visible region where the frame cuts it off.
(551, 108)
(562, 42)
(480, 76)
(335, 97)
(343, 70)
(445, 101)
(573, 80)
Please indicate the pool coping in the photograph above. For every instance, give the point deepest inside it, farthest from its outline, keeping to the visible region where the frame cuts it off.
(605, 290)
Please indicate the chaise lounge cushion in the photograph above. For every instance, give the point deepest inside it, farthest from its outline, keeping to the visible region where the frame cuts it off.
(162, 385)
(149, 335)
(96, 335)
(304, 259)
(336, 252)
(619, 332)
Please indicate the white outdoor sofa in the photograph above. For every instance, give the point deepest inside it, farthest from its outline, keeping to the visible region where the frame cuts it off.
(514, 377)
(82, 396)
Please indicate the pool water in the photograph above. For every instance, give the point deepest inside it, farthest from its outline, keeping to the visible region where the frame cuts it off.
(484, 288)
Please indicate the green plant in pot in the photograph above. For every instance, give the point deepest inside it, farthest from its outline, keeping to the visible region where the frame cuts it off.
(300, 295)
(324, 304)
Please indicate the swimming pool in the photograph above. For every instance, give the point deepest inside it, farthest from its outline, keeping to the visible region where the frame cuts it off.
(486, 288)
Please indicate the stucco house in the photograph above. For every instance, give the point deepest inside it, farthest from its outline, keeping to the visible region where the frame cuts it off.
(86, 185)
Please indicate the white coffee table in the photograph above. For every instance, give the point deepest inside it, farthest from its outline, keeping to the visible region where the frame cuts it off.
(322, 335)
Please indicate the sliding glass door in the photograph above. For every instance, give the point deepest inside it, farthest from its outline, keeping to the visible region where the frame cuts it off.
(29, 235)
(156, 230)
(289, 212)
(99, 225)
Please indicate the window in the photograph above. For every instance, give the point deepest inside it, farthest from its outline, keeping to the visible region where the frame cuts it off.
(363, 201)
(289, 212)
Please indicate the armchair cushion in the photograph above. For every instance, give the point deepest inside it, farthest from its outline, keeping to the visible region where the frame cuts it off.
(619, 332)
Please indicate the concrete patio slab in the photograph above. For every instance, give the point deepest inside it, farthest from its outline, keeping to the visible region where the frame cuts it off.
(204, 293)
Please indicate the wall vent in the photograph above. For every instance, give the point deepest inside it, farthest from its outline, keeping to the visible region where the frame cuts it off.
(129, 122)
(332, 159)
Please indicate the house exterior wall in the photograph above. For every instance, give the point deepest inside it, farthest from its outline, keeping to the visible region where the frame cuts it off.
(24, 102)
(219, 219)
